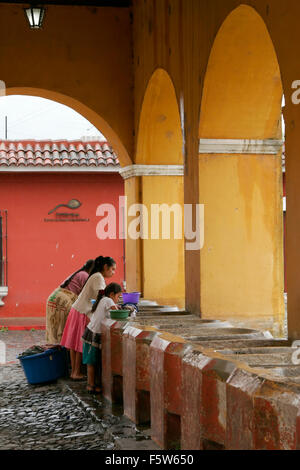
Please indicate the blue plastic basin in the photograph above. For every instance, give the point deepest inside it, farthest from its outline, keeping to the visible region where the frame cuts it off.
(45, 367)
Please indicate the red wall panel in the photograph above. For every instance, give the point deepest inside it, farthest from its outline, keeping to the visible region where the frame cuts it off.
(42, 254)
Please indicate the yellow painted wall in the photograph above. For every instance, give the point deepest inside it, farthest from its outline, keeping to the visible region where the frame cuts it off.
(242, 89)
(178, 36)
(160, 143)
(163, 260)
(241, 271)
(133, 250)
(159, 138)
(241, 262)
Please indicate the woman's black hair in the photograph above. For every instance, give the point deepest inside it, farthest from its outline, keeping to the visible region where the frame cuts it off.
(86, 267)
(112, 288)
(100, 262)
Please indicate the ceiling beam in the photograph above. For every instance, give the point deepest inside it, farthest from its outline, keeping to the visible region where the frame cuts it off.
(81, 3)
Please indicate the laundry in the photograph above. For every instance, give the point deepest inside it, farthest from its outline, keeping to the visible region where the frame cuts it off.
(132, 307)
(38, 349)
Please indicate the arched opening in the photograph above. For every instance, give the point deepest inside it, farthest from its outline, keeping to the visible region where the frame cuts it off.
(160, 137)
(242, 90)
(240, 176)
(52, 193)
(160, 143)
(82, 109)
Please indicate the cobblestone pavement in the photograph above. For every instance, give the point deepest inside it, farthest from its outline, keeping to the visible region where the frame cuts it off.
(17, 341)
(59, 416)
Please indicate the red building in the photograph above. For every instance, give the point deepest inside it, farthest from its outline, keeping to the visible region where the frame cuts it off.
(49, 194)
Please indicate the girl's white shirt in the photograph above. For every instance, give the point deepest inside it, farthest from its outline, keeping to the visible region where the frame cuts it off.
(90, 291)
(101, 312)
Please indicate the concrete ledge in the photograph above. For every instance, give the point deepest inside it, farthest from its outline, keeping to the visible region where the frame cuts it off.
(209, 386)
(151, 170)
(136, 373)
(192, 365)
(112, 377)
(276, 417)
(239, 146)
(166, 353)
(240, 392)
(204, 404)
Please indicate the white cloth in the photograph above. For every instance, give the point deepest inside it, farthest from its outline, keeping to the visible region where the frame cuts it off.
(101, 312)
(90, 291)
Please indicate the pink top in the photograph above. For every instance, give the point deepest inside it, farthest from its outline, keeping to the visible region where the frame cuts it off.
(77, 282)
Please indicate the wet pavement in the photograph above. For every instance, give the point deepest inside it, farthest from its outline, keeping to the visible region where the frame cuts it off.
(58, 416)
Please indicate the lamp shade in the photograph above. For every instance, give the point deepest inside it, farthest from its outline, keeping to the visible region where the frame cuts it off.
(35, 16)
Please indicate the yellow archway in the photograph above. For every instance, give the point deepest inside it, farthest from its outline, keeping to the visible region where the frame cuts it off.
(159, 137)
(242, 91)
(240, 181)
(82, 109)
(160, 142)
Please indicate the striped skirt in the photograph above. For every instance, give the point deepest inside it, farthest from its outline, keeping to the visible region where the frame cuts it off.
(91, 338)
(58, 306)
(91, 348)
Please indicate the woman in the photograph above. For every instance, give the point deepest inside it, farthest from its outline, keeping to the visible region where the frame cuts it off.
(60, 302)
(81, 311)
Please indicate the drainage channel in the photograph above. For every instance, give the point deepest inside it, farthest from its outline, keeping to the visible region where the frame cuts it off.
(118, 429)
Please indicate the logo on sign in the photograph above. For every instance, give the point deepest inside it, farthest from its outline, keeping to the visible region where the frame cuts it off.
(73, 204)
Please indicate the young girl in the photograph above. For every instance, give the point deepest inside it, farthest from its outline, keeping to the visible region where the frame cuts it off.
(80, 312)
(92, 335)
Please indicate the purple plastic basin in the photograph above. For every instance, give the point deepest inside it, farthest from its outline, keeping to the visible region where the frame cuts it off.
(132, 297)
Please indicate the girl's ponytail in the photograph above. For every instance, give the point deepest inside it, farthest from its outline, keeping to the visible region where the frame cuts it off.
(99, 297)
